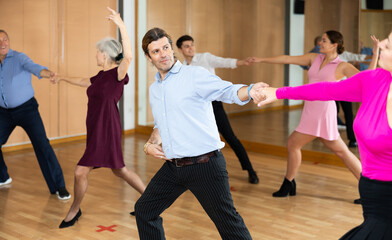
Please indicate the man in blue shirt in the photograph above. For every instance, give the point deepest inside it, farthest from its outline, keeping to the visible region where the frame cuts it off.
(187, 138)
(18, 107)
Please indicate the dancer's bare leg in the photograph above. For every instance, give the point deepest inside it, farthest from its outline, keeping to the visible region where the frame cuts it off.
(342, 151)
(80, 188)
(294, 144)
(131, 178)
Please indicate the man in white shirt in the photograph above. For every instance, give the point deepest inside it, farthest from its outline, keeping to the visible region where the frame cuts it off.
(186, 46)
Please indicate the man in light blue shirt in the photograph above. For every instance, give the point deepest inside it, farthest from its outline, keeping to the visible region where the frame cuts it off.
(186, 137)
(18, 107)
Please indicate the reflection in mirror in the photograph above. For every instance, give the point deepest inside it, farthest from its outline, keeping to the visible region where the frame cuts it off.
(250, 125)
(376, 22)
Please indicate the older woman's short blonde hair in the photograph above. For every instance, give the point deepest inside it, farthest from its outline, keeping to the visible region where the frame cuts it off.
(111, 47)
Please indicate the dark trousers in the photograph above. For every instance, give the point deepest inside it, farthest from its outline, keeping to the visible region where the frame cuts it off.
(209, 183)
(224, 127)
(349, 118)
(28, 117)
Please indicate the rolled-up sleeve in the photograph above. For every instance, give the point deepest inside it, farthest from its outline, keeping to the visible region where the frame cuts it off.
(30, 66)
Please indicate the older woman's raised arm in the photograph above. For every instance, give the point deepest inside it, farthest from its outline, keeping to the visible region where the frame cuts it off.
(126, 44)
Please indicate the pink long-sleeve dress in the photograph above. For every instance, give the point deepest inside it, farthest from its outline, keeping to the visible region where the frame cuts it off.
(319, 118)
(374, 135)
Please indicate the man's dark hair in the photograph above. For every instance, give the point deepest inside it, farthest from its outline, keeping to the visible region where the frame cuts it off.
(154, 35)
(183, 39)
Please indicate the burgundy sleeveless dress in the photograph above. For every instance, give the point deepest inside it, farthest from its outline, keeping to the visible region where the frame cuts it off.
(103, 148)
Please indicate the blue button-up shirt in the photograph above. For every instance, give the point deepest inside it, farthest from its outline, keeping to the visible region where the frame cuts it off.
(182, 109)
(15, 79)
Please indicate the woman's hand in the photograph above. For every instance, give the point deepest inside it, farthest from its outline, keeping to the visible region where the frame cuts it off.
(254, 92)
(267, 96)
(376, 48)
(254, 60)
(55, 79)
(114, 16)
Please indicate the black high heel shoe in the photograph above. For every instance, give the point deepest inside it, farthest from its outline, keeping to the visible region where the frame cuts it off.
(287, 188)
(65, 224)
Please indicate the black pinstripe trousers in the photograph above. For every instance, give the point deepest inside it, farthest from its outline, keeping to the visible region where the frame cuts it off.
(209, 182)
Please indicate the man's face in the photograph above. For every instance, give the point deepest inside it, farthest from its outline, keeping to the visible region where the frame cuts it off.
(161, 54)
(4, 44)
(187, 48)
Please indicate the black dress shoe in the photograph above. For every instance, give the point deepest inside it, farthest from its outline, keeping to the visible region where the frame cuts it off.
(132, 213)
(352, 144)
(65, 224)
(253, 178)
(358, 201)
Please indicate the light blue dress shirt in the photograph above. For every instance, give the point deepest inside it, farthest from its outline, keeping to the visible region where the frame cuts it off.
(182, 109)
(15, 79)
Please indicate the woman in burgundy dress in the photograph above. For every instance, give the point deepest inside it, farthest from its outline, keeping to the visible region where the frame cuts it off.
(104, 90)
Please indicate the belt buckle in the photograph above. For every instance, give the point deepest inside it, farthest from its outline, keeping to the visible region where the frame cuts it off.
(176, 163)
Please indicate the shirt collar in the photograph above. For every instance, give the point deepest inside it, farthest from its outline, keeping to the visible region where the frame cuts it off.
(10, 53)
(336, 60)
(175, 69)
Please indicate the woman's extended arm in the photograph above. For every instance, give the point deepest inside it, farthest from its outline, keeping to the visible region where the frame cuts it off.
(349, 90)
(126, 44)
(81, 82)
(304, 60)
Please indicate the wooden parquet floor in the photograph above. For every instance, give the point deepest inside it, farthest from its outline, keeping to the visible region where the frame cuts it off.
(322, 209)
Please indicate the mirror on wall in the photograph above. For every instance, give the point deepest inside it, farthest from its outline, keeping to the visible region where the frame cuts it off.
(268, 127)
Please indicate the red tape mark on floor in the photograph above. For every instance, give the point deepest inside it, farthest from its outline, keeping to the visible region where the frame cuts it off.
(103, 228)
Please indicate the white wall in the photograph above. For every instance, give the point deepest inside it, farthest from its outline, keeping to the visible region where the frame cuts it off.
(387, 4)
(297, 42)
(142, 67)
(129, 90)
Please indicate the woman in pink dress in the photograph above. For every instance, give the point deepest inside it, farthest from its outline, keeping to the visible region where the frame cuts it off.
(373, 128)
(103, 148)
(319, 119)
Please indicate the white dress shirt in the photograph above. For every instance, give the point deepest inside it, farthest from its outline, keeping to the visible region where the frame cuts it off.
(210, 62)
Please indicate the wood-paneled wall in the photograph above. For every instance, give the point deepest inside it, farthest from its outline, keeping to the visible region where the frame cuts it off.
(340, 15)
(59, 34)
(226, 28)
(374, 22)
